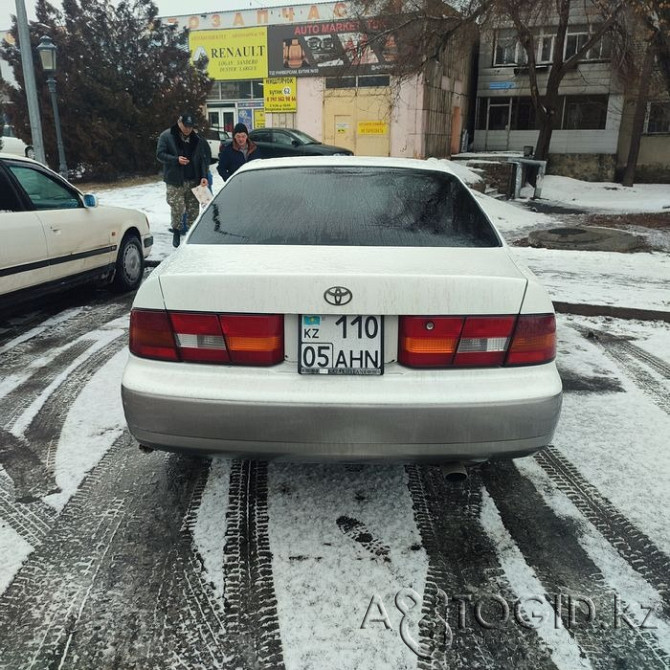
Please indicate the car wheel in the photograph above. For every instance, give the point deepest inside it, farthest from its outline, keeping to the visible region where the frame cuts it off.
(129, 265)
(30, 153)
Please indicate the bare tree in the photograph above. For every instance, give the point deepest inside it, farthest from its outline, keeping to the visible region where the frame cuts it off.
(527, 15)
(638, 118)
(655, 15)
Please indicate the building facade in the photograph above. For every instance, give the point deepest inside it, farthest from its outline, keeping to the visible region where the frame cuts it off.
(592, 131)
(312, 67)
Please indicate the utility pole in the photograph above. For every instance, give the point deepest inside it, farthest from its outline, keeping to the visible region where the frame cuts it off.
(29, 81)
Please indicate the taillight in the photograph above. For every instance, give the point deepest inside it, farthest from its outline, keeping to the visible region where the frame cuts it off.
(484, 340)
(534, 340)
(254, 340)
(151, 335)
(428, 341)
(207, 338)
(476, 341)
(199, 337)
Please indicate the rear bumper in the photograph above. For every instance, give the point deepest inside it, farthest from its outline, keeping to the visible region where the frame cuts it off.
(403, 415)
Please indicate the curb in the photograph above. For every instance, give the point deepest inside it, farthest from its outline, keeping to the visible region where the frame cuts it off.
(615, 312)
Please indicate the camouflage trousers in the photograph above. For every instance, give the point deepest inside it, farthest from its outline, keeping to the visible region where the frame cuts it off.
(181, 199)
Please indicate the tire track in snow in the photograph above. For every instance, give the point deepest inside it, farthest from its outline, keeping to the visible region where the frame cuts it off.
(187, 627)
(44, 430)
(31, 521)
(250, 603)
(117, 586)
(637, 364)
(28, 461)
(68, 326)
(550, 546)
(463, 567)
(20, 398)
(42, 606)
(638, 550)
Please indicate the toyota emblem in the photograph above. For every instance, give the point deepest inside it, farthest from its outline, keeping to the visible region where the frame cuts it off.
(338, 295)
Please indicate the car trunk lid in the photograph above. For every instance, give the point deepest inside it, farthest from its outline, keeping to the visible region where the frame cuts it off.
(385, 281)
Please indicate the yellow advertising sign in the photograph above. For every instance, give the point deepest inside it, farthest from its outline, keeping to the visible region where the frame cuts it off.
(232, 54)
(259, 118)
(372, 128)
(279, 94)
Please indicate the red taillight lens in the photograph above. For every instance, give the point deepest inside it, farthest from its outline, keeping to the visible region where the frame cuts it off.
(534, 340)
(428, 341)
(151, 335)
(476, 341)
(254, 340)
(207, 338)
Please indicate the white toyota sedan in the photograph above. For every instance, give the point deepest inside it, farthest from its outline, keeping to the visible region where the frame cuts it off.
(55, 237)
(343, 308)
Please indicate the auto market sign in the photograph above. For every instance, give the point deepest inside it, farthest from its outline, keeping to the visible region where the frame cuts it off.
(279, 94)
(232, 54)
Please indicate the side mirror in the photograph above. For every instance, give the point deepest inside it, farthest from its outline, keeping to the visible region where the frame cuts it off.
(90, 200)
(295, 143)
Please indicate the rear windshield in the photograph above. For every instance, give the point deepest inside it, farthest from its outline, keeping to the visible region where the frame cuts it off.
(345, 206)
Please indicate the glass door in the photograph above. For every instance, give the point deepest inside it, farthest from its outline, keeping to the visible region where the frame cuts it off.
(223, 118)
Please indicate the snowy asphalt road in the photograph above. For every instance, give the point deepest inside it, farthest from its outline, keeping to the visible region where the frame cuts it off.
(111, 558)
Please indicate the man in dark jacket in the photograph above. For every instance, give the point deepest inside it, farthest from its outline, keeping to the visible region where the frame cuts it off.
(186, 159)
(240, 151)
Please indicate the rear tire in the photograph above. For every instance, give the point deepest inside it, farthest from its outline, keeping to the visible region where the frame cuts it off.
(129, 265)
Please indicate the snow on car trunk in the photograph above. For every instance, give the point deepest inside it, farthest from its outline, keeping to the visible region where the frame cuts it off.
(388, 280)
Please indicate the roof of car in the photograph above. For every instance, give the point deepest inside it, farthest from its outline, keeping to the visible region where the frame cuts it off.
(16, 157)
(348, 161)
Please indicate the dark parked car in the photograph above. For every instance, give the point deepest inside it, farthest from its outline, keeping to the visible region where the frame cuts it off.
(287, 142)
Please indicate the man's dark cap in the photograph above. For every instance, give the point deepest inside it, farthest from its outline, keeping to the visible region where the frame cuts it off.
(187, 119)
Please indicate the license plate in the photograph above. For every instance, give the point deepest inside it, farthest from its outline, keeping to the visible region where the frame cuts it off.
(341, 344)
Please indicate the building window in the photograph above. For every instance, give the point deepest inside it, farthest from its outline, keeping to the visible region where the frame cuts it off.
(545, 47)
(658, 118)
(367, 81)
(498, 116)
(236, 90)
(373, 80)
(585, 112)
(495, 114)
(578, 112)
(523, 114)
(577, 37)
(256, 89)
(507, 46)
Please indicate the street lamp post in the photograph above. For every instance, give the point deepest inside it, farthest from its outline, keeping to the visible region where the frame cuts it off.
(47, 51)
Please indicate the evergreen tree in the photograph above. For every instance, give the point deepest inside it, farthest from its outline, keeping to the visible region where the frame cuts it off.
(123, 77)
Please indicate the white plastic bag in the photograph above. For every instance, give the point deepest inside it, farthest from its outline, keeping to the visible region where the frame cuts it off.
(203, 194)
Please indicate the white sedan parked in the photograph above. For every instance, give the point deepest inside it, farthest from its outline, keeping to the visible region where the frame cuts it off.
(343, 308)
(55, 237)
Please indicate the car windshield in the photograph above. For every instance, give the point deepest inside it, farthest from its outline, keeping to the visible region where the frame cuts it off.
(304, 137)
(345, 206)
